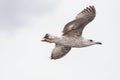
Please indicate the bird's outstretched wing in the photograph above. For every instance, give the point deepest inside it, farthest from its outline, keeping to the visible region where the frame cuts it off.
(59, 51)
(75, 27)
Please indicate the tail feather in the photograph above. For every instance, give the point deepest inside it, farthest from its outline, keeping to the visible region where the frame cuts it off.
(46, 35)
(48, 38)
(45, 38)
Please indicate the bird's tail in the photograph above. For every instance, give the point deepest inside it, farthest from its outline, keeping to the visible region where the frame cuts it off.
(48, 38)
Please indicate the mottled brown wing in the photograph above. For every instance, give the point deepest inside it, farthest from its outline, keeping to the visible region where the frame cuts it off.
(59, 51)
(75, 27)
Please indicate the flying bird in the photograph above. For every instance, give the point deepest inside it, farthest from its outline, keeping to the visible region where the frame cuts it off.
(72, 34)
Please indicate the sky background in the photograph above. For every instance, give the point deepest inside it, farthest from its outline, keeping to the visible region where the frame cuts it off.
(23, 56)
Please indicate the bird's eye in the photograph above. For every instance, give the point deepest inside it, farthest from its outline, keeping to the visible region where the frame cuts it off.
(91, 40)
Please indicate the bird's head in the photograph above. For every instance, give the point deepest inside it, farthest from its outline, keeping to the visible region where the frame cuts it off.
(90, 42)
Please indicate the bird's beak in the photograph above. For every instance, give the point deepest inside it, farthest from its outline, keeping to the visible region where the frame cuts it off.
(98, 43)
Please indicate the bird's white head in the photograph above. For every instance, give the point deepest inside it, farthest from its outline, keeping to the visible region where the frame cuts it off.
(90, 42)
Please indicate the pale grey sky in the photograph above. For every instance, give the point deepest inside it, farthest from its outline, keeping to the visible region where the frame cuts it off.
(18, 13)
(23, 56)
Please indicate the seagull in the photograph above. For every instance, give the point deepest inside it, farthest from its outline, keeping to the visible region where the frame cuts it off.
(72, 34)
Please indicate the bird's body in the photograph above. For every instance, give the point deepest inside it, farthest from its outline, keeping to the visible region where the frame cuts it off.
(72, 34)
(66, 41)
(76, 42)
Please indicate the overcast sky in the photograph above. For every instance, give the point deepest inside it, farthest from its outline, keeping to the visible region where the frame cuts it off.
(23, 56)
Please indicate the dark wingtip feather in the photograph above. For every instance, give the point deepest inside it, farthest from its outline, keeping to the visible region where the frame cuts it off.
(91, 8)
(53, 58)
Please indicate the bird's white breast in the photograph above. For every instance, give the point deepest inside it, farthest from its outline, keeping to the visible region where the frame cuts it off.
(71, 42)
